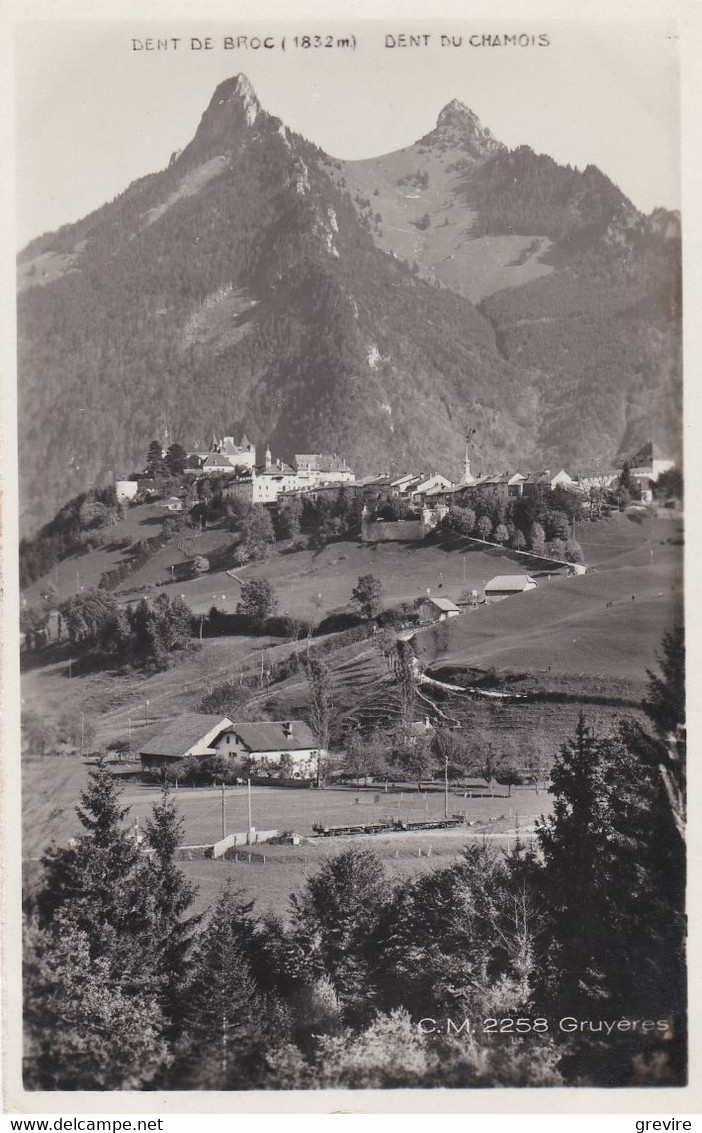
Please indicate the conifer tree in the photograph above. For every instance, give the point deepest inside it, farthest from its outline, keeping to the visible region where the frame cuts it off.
(335, 919)
(83, 1030)
(99, 880)
(573, 840)
(224, 1023)
(173, 930)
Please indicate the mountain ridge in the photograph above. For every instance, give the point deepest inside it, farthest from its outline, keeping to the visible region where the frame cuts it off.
(251, 284)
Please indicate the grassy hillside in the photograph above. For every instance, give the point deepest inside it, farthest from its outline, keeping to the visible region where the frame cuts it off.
(601, 629)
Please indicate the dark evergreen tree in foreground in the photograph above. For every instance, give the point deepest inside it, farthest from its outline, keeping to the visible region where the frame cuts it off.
(171, 895)
(614, 883)
(84, 1029)
(93, 981)
(225, 1024)
(100, 881)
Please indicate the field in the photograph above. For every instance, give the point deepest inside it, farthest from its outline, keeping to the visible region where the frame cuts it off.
(286, 867)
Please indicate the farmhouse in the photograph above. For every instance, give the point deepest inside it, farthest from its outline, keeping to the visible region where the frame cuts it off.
(273, 749)
(503, 585)
(194, 733)
(432, 610)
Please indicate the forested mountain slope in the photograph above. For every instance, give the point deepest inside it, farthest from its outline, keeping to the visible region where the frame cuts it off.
(246, 288)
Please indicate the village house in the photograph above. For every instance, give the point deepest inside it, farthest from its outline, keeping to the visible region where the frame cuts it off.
(222, 457)
(428, 485)
(646, 466)
(402, 486)
(504, 585)
(544, 480)
(433, 610)
(272, 749)
(264, 484)
(318, 468)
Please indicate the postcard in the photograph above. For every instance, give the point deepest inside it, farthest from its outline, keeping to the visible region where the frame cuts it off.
(349, 616)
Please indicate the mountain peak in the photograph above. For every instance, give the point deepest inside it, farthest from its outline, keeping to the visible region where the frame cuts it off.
(237, 91)
(459, 126)
(456, 112)
(234, 108)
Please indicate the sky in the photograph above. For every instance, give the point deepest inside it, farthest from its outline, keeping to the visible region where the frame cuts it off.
(93, 114)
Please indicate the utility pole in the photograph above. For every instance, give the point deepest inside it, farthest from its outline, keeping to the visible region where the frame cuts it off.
(202, 616)
(82, 733)
(224, 812)
(146, 710)
(446, 784)
(129, 726)
(248, 793)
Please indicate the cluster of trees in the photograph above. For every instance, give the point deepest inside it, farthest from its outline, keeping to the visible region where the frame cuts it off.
(125, 989)
(398, 753)
(540, 522)
(160, 467)
(528, 193)
(307, 522)
(68, 533)
(142, 634)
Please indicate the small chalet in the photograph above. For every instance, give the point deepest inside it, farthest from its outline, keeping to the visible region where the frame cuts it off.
(273, 749)
(504, 585)
(433, 610)
(194, 733)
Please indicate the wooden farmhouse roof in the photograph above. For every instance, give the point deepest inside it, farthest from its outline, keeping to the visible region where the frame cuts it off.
(183, 733)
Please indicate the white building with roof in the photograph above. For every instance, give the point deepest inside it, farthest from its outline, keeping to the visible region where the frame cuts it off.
(316, 468)
(273, 749)
(223, 456)
(266, 749)
(646, 466)
(265, 483)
